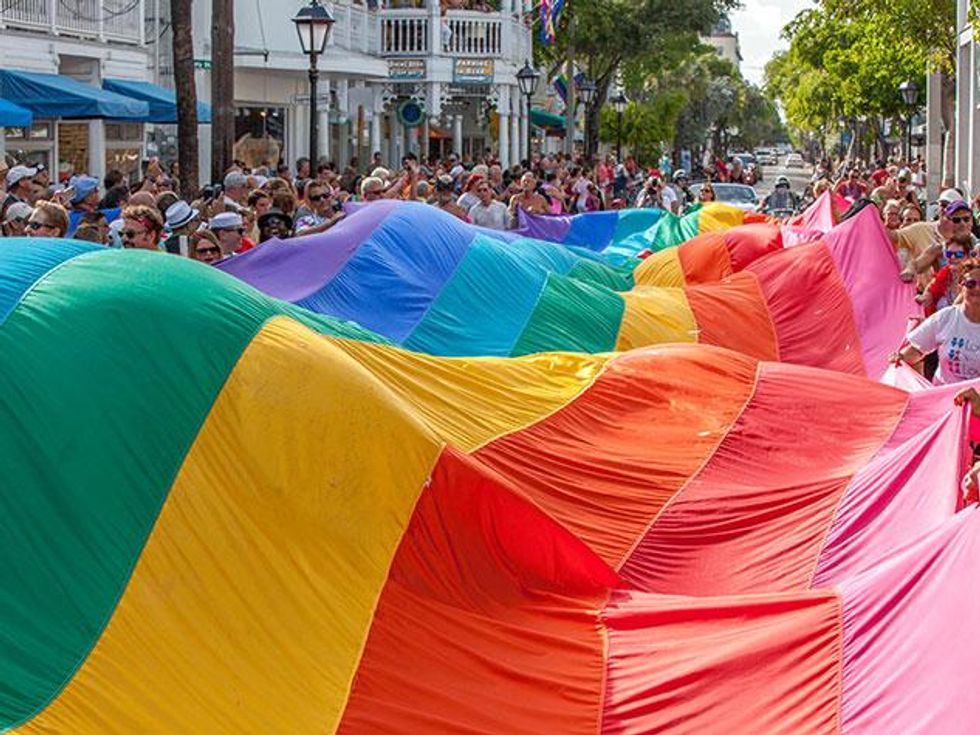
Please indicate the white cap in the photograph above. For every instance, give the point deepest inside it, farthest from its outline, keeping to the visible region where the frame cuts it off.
(20, 172)
(226, 221)
(18, 210)
(951, 195)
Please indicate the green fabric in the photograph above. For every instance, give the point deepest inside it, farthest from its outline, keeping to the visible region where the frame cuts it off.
(544, 119)
(672, 230)
(600, 274)
(572, 316)
(103, 343)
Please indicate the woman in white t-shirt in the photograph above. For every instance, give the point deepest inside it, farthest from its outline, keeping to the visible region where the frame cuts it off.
(952, 332)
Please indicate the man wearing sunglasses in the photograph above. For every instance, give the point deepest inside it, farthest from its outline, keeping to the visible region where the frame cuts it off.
(322, 215)
(923, 243)
(228, 227)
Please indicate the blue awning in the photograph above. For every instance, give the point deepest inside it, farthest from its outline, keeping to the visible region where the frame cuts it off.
(12, 116)
(162, 101)
(55, 96)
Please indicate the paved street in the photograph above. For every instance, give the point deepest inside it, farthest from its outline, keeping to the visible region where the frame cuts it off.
(798, 177)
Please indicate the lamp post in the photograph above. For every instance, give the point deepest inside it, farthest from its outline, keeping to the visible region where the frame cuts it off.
(586, 93)
(910, 95)
(619, 104)
(313, 24)
(527, 81)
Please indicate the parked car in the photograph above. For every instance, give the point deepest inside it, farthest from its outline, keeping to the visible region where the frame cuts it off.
(738, 195)
(794, 160)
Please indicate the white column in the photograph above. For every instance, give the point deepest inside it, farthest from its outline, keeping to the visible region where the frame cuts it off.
(413, 140)
(525, 154)
(503, 147)
(458, 135)
(934, 136)
(375, 132)
(516, 144)
(322, 138)
(96, 149)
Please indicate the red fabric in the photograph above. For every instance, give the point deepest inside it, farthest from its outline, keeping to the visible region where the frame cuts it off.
(754, 519)
(748, 243)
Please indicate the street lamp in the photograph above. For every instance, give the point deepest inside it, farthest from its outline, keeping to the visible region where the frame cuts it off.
(527, 81)
(313, 24)
(586, 93)
(619, 104)
(910, 95)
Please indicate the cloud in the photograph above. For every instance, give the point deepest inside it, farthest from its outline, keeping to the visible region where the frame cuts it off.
(759, 24)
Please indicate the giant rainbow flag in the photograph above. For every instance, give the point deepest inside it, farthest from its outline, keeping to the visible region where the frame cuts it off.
(426, 281)
(225, 514)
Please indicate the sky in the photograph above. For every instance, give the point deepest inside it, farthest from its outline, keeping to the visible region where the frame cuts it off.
(758, 24)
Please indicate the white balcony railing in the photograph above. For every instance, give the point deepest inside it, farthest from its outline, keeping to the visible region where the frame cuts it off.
(114, 20)
(458, 33)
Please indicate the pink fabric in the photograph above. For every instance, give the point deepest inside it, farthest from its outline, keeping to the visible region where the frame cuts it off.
(910, 641)
(869, 269)
(901, 495)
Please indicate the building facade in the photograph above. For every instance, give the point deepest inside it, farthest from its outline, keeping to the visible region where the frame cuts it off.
(967, 114)
(88, 41)
(424, 79)
(725, 42)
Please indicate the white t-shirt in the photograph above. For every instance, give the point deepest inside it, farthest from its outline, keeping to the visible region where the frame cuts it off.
(669, 197)
(494, 215)
(956, 340)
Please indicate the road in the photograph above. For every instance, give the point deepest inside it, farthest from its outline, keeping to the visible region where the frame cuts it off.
(798, 177)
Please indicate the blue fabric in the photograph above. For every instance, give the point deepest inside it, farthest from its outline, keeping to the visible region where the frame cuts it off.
(13, 116)
(75, 218)
(392, 279)
(162, 101)
(55, 96)
(24, 260)
(548, 255)
(593, 230)
(484, 307)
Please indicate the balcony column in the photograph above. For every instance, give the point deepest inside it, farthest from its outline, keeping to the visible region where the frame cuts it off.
(376, 132)
(458, 135)
(516, 104)
(96, 150)
(525, 153)
(504, 110)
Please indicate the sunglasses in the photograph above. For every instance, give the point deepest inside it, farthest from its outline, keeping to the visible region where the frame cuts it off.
(318, 197)
(960, 220)
(971, 283)
(209, 251)
(954, 254)
(37, 225)
(130, 234)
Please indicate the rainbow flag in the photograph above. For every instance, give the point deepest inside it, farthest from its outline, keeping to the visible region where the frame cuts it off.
(224, 514)
(550, 12)
(427, 281)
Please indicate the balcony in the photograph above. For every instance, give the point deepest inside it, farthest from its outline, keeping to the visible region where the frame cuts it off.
(459, 33)
(100, 20)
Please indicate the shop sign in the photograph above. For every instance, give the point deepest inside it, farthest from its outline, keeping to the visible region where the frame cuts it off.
(406, 69)
(473, 71)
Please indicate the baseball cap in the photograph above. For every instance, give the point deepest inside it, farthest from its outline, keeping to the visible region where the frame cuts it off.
(226, 221)
(954, 207)
(84, 185)
(20, 172)
(18, 210)
(950, 195)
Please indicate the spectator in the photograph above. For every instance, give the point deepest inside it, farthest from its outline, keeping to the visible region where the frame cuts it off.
(372, 188)
(142, 227)
(15, 220)
(181, 221)
(489, 212)
(446, 199)
(236, 191)
(20, 187)
(204, 247)
(228, 227)
(275, 224)
(48, 220)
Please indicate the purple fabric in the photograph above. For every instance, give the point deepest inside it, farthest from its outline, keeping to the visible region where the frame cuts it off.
(553, 228)
(294, 269)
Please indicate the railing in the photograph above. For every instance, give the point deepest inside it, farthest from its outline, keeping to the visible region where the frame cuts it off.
(472, 34)
(117, 20)
(404, 32)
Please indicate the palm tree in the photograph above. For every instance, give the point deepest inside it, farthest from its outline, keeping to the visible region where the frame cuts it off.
(183, 48)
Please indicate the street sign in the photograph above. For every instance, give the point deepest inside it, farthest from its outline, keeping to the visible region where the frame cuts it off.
(204, 64)
(473, 71)
(406, 69)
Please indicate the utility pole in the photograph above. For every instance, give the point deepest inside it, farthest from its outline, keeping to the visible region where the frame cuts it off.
(186, 88)
(571, 94)
(222, 87)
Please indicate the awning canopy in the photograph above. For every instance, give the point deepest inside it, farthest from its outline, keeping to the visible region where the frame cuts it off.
(12, 116)
(56, 96)
(162, 101)
(437, 133)
(544, 119)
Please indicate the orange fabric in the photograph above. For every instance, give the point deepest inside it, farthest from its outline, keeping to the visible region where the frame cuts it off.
(487, 622)
(748, 243)
(733, 313)
(767, 664)
(755, 518)
(704, 258)
(806, 296)
(605, 465)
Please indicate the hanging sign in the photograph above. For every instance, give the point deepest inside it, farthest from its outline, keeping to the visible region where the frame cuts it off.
(473, 71)
(410, 114)
(406, 69)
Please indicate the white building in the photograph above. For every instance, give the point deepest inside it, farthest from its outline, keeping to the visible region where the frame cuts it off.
(967, 117)
(392, 80)
(725, 41)
(88, 41)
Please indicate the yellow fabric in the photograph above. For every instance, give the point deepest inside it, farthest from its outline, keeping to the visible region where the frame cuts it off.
(661, 269)
(250, 611)
(715, 216)
(472, 401)
(654, 315)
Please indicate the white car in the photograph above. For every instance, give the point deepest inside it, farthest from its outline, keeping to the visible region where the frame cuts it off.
(766, 157)
(794, 160)
(737, 195)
